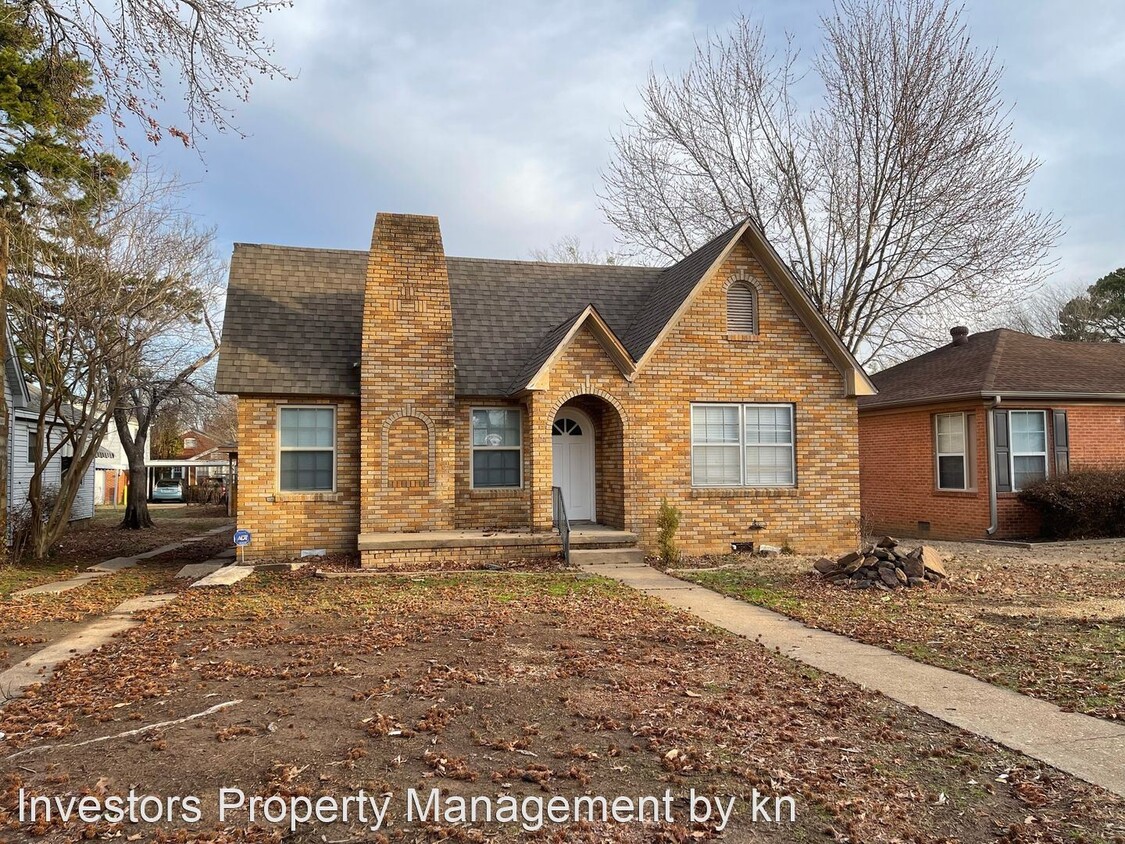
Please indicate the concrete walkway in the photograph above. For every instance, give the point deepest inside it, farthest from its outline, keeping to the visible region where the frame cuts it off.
(114, 565)
(39, 667)
(1088, 748)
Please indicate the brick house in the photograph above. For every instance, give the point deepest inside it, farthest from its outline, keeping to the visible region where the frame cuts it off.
(197, 443)
(419, 407)
(954, 434)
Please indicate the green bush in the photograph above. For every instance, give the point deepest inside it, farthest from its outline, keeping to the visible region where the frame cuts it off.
(667, 523)
(1082, 505)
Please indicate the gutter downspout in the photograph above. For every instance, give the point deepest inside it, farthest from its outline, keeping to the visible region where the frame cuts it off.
(993, 523)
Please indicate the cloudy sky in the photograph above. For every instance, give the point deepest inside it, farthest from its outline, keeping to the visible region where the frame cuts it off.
(496, 116)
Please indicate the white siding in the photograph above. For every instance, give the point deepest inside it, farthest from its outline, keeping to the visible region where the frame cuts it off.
(83, 506)
(21, 471)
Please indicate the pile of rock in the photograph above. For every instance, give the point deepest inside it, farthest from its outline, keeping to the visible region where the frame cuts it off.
(883, 565)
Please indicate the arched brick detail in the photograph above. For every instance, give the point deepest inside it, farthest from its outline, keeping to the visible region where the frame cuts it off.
(609, 398)
(744, 279)
(614, 463)
(408, 412)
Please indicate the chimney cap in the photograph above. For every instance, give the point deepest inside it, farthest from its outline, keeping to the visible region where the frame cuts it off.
(960, 334)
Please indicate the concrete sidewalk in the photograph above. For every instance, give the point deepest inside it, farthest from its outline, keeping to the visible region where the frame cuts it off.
(114, 565)
(39, 667)
(1088, 748)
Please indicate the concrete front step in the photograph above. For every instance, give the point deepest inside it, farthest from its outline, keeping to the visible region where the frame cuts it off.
(605, 556)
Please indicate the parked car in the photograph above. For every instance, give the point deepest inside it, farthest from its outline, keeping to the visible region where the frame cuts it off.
(169, 490)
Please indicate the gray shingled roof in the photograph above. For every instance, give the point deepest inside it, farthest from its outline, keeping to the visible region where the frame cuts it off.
(292, 321)
(294, 315)
(505, 312)
(674, 286)
(1003, 361)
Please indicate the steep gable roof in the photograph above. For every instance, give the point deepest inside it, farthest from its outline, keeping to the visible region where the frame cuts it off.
(1006, 363)
(294, 316)
(556, 341)
(675, 284)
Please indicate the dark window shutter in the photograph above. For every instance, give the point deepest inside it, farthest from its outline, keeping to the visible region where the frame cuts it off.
(1062, 443)
(1000, 439)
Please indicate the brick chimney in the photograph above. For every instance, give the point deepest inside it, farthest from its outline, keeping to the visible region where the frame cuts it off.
(407, 407)
(960, 335)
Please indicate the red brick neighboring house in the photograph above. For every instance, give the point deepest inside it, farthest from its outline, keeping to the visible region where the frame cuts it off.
(952, 435)
(419, 407)
(196, 443)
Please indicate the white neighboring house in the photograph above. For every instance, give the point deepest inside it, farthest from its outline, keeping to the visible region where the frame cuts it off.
(111, 466)
(23, 433)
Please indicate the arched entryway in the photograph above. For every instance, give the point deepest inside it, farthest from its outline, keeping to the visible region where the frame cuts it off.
(572, 457)
(588, 460)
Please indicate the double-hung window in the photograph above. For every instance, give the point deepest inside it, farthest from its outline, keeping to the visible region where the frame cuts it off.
(308, 449)
(1029, 446)
(953, 433)
(742, 445)
(497, 448)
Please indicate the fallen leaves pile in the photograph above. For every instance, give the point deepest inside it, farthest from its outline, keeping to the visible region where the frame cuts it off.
(498, 684)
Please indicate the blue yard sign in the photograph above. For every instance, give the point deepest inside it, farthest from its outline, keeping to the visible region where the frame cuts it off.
(241, 537)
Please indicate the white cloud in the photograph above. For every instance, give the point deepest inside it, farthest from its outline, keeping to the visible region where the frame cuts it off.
(495, 116)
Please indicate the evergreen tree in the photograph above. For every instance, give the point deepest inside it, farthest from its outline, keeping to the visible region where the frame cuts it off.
(45, 152)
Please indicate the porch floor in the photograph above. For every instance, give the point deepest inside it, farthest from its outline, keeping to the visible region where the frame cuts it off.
(580, 534)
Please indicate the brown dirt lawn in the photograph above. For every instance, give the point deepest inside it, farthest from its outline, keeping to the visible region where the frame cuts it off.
(532, 685)
(1048, 622)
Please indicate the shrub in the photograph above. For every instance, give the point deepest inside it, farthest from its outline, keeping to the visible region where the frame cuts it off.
(1084, 504)
(667, 523)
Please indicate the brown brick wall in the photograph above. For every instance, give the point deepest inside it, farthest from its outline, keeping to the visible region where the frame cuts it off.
(1097, 435)
(897, 475)
(285, 523)
(406, 370)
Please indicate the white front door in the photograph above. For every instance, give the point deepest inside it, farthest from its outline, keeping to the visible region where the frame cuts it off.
(572, 448)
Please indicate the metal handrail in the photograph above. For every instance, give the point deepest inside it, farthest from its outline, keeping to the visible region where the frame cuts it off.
(558, 517)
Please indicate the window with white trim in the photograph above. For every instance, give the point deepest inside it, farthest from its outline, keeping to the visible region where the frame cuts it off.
(742, 308)
(1028, 446)
(308, 449)
(497, 461)
(742, 445)
(953, 436)
(33, 446)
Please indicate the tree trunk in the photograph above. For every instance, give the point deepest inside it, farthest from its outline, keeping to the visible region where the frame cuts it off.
(136, 498)
(4, 432)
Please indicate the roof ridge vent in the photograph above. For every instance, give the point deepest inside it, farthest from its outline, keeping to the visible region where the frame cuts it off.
(960, 334)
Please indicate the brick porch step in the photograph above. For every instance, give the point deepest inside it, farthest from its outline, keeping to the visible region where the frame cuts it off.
(605, 556)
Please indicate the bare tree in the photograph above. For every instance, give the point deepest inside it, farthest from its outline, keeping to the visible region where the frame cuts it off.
(571, 250)
(1040, 312)
(94, 306)
(220, 417)
(214, 47)
(140, 403)
(899, 196)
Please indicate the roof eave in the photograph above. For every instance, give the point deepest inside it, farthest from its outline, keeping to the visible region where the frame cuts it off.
(604, 334)
(1003, 395)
